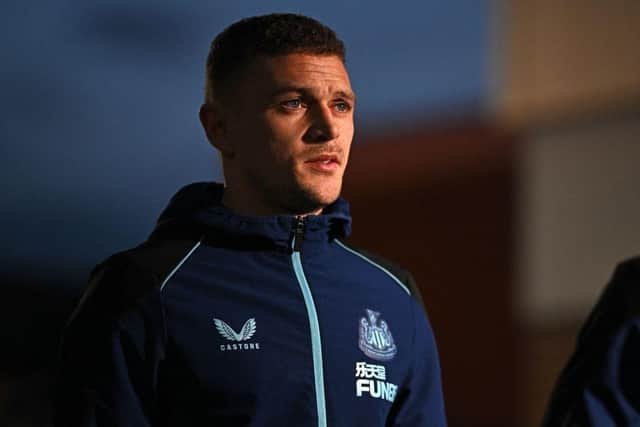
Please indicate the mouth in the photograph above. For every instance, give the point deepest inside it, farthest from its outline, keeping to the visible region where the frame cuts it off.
(325, 163)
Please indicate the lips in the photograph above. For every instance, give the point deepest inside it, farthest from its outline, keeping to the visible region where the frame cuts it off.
(324, 163)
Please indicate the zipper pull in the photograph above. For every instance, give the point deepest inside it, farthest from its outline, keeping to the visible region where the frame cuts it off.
(298, 233)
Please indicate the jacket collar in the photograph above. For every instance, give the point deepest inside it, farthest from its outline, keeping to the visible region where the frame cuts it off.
(199, 205)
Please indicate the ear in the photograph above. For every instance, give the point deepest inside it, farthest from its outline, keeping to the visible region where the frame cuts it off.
(213, 122)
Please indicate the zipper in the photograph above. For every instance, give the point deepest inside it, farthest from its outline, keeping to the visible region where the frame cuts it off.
(298, 234)
(314, 325)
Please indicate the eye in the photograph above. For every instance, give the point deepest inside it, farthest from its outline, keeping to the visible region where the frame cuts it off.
(342, 107)
(292, 104)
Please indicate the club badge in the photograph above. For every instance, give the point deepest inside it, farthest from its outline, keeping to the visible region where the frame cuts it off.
(376, 340)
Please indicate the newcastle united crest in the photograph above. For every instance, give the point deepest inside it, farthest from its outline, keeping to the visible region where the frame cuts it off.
(375, 337)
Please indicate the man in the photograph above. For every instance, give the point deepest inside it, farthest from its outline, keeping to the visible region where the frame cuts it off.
(600, 386)
(245, 307)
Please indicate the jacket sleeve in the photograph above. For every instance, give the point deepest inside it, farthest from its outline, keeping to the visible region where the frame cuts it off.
(614, 397)
(110, 352)
(600, 385)
(611, 396)
(420, 402)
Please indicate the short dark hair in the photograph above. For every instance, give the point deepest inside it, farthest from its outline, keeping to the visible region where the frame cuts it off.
(271, 35)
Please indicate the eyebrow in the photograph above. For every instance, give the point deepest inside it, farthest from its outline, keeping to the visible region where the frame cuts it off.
(349, 95)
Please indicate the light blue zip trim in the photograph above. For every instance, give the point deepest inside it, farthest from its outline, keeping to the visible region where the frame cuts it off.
(402, 285)
(316, 342)
(182, 261)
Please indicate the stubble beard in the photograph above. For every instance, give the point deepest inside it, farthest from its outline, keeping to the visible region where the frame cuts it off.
(297, 199)
(306, 200)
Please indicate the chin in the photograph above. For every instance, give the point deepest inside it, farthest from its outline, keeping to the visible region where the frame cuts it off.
(324, 197)
(313, 198)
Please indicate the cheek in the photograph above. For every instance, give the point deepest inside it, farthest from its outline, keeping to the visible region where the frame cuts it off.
(253, 139)
(284, 137)
(346, 135)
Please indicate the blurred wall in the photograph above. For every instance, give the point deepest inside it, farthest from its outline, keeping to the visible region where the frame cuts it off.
(570, 88)
(579, 214)
(569, 57)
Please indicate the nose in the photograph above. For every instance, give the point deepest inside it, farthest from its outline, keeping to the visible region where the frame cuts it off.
(324, 126)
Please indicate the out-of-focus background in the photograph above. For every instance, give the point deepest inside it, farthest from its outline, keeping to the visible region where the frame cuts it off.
(496, 157)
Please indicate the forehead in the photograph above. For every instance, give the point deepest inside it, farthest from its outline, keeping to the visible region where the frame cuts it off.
(318, 73)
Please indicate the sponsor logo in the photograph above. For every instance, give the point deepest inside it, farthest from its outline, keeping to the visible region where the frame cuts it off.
(372, 382)
(376, 340)
(244, 346)
(238, 338)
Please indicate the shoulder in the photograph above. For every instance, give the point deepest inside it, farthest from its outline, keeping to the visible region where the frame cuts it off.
(118, 284)
(401, 275)
(609, 337)
(624, 288)
(619, 302)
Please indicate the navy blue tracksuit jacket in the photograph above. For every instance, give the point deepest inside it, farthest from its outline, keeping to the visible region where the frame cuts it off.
(225, 320)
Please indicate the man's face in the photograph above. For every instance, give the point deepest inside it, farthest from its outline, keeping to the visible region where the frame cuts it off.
(289, 122)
